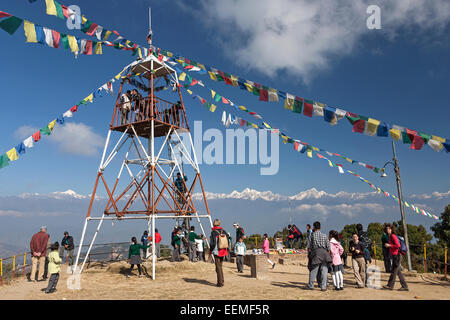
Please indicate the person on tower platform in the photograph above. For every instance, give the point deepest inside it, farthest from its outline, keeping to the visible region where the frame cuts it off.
(181, 187)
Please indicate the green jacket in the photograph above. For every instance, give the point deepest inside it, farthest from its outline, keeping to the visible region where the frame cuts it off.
(54, 262)
(135, 250)
(176, 240)
(193, 236)
(384, 239)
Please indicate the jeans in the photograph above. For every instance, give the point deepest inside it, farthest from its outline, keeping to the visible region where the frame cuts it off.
(323, 276)
(52, 282)
(240, 263)
(387, 260)
(396, 270)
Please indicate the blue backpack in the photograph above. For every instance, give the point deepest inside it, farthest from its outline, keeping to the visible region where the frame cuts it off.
(403, 249)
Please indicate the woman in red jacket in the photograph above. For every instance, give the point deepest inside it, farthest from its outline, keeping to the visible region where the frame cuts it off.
(394, 246)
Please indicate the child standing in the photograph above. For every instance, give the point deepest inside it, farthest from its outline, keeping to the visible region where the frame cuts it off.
(336, 250)
(54, 267)
(134, 255)
(240, 250)
(266, 249)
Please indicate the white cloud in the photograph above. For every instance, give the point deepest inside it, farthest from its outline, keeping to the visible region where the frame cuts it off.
(24, 132)
(349, 210)
(302, 36)
(71, 137)
(77, 138)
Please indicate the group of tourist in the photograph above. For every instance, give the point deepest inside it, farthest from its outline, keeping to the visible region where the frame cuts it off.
(131, 102)
(45, 257)
(324, 255)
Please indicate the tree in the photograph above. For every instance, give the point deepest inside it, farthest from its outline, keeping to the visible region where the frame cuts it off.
(348, 231)
(441, 229)
(417, 237)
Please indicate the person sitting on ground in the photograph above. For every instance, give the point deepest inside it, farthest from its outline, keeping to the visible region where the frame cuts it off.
(68, 246)
(176, 246)
(318, 247)
(357, 249)
(218, 247)
(54, 267)
(192, 246)
(181, 187)
(394, 247)
(134, 255)
(266, 249)
(240, 250)
(38, 248)
(336, 251)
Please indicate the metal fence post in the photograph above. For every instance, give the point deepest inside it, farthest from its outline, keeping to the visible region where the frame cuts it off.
(24, 262)
(425, 257)
(375, 251)
(1, 270)
(445, 260)
(14, 267)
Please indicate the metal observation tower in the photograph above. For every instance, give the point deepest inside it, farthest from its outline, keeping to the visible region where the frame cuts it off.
(149, 137)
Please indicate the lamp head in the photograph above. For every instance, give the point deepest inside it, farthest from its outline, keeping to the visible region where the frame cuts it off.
(383, 175)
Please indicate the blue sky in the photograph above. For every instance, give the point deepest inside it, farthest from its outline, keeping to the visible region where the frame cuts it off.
(399, 74)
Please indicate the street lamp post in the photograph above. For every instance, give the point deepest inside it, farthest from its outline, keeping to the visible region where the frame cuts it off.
(400, 198)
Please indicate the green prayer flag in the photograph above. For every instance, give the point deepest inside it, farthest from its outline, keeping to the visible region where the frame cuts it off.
(59, 10)
(298, 106)
(45, 130)
(351, 119)
(256, 91)
(217, 97)
(11, 24)
(65, 41)
(425, 137)
(86, 26)
(4, 161)
(406, 138)
(220, 78)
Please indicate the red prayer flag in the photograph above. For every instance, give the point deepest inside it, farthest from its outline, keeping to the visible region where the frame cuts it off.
(160, 57)
(37, 136)
(74, 108)
(359, 126)
(417, 142)
(4, 14)
(92, 29)
(202, 100)
(263, 95)
(88, 47)
(65, 11)
(56, 36)
(227, 80)
(368, 166)
(296, 145)
(194, 82)
(224, 100)
(307, 109)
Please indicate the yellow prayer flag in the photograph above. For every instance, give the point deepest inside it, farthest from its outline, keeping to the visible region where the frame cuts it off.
(170, 54)
(201, 66)
(395, 134)
(140, 53)
(89, 98)
(51, 125)
(309, 152)
(51, 8)
(12, 154)
(107, 34)
(249, 87)
(213, 93)
(182, 76)
(189, 91)
(372, 126)
(438, 139)
(83, 19)
(73, 43)
(242, 108)
(330, 163)
(289, 104)
(213, 108)
(30, 31)
(234, 81)
(349, 160)
(98, 48)
(315, 149)
(212, 76)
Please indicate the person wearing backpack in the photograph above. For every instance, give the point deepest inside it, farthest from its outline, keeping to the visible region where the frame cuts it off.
(218, 247)
(297, 236)
(395, 247)
(366, 241)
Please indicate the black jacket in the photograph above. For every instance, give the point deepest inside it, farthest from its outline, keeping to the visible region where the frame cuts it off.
(360, 246)
(69, 242)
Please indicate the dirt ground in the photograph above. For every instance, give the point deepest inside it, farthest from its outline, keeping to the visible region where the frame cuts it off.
(194, 281)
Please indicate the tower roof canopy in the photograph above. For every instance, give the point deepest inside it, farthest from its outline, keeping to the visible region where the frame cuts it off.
(150, 63)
